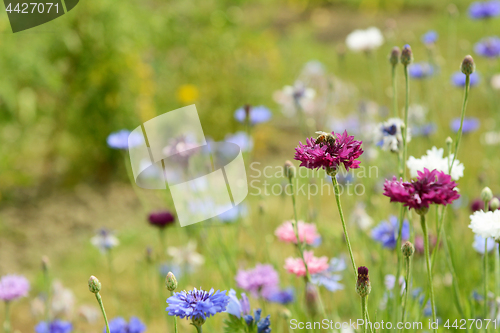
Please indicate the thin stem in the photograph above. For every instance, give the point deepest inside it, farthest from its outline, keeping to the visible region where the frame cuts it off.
(6, 323)
(337, 198)
(429, 268)
(405, 132)
(101, 305)
(485, 272)
(175, 317)
(407, 288)
(46, 280)
(394, 96)
(497, 272)
(363, 312)
(464, 106)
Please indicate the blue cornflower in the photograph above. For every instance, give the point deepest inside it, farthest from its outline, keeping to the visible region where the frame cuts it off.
(117, 325)
(238, 307)
(197, 304)
(430, 37)
(263, 325)
(458, 79)
(258, 114)
(56, 326)
(479, 241)
(420, 70)
(281, 296)
(121, 139)
(330, 278)
(241, 139)
(423, 130)
(231, 213)
(135, 325)
(488, 47)
(486, 9)
(470, 125)
(387, 232)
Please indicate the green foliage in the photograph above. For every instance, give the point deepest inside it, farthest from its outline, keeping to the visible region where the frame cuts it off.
(235, 325)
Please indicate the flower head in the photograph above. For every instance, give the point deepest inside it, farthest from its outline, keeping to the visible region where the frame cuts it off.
(161, 219)
(329, 151)
(257, 114)
(387, 232)
(470, 125)
(124, 139)
(186, 255)
(120, 325)
(479, 243)
(430, 187)
(484, 9)
(406, 55)
(13, 287)
(263, 324)
(307, 233)
(281, 296)
(430, 37)
(104, 240)
(363, 286)
(364, 40)
(197, 304)
(238, 307)
(434, 160)
(296, 97)
(314, 264)
(488, 47)
(259, 281)
(241, 139)
(394, 56)
(330, 278)
(486, 224)
(420, 70)
(56, 326)
(388, 135)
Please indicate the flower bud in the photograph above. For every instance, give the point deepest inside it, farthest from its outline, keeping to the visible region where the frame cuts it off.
(408, 249)
(449, 141)
(406, 55)
(198, 321)
(171, 281)
(286, 314)
(486, 194)
(247, 109)
(494, 204)
(289, 170)
(45, 264)
(363, 286)
(394, 56)
(468, 65)
(94, 285)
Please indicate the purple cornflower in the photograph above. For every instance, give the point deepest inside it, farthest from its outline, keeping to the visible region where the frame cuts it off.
(387, 232)
(259, 281)
(197, 304)
(484, 9)
(263, 325)
(56, 326)
(238, 307)
(117, 325)
(430, 187)
(258, 114)
(488, 47)
(121, 139)
(430, 37)
(420, 70)
(329, 151)
(281, 296)
(458, 79)
(13, 287)
(161, 219)
(470, 125)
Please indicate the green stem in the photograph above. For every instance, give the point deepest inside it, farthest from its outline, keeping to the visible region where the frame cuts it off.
(363, 312)
(464, 106)
(405, 132)
(161, 233)
(175, 317)
(101, 305)
(198, 329)
(337, 198)
(407, 288)
(429, 267)
(485, 271)
(394, 96)
(6, 323)
(497, 272)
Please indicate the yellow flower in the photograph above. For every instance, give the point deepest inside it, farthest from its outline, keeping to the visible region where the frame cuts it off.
(187, 93)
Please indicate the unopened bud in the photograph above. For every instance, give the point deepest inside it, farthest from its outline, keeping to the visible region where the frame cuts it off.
(468, 67)
(486, 194)
(394, 56)
(449, 141)
(289, 170)
(45, 263)
(94, 285)
(406, 55)
(198, 321)
(363, 286)
(494, 204)
(286, 314)
(408, 249)
(171, 281)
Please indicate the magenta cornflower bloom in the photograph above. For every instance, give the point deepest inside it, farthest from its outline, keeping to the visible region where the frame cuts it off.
(259, 281)
(161, 219)
(329, 151)
(13, 287)
(430, 187)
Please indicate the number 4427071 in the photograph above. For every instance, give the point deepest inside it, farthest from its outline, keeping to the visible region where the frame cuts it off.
(464, 324)
(33, 7)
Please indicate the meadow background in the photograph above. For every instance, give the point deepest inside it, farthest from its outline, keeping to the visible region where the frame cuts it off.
(110, 65)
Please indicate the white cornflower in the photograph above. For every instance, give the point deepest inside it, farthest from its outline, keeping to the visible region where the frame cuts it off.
(104, 240)
(297, 96)
(388, 135)
(364, 40)
(486, 224)
(435, 160)
(360, 217)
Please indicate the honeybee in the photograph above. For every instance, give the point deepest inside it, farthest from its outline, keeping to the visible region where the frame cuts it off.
(324, 138)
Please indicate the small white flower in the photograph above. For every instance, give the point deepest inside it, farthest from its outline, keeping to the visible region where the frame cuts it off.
(360, 217)
(364, 40)
(486, 224)
(298, 95)
(186, 255)
(389, 136)
(104, 240)
(495, 81)
(435, 160)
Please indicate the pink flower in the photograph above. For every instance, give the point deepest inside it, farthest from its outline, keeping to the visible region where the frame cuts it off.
(430, 187)
(13, 287)
(314, 265)
(259, 281)
(329, 151)
(307, 233)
